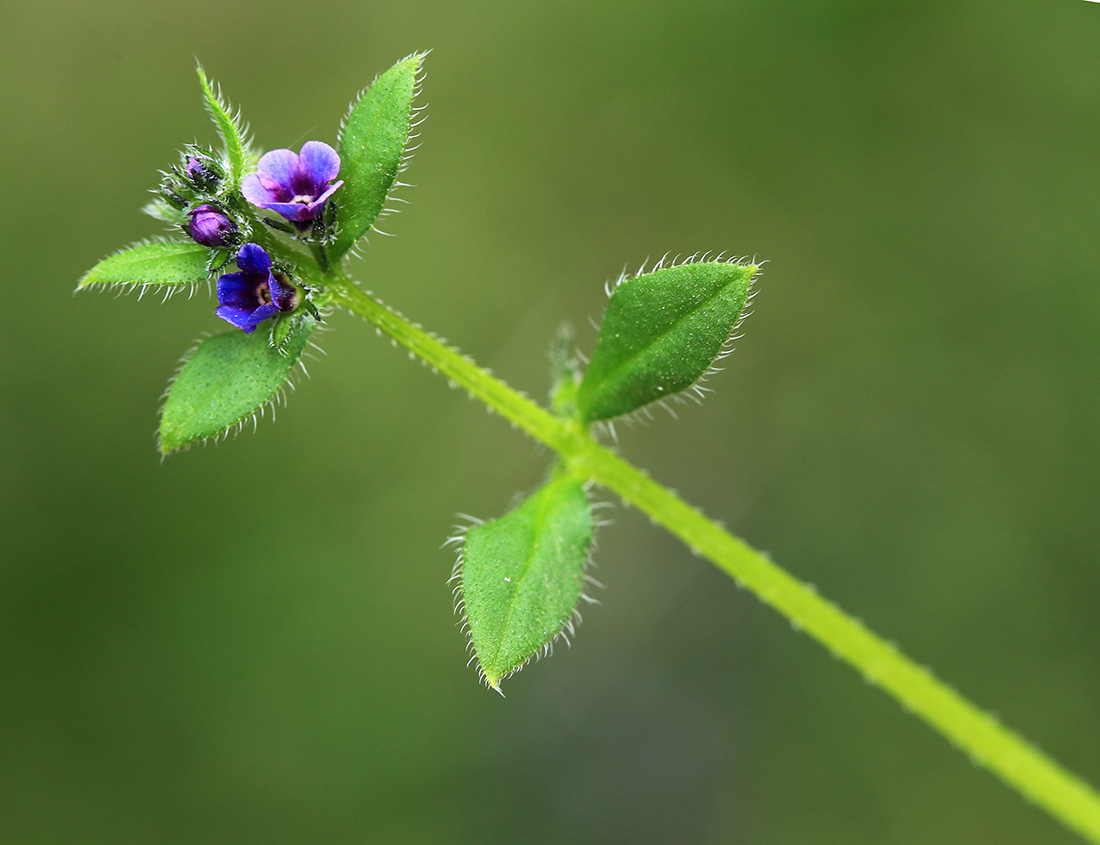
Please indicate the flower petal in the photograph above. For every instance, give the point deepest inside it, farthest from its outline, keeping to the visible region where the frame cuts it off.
(314, 208)
(253, 259)
(276, 171)
(255, 192)
(261, 314)
(282, 293)
(329, 191)
(320, 162)
(246, 319)
(239, 317)
(295, 212)
(238, 291)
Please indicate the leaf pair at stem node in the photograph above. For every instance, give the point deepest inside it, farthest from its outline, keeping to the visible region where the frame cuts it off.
(521, 576)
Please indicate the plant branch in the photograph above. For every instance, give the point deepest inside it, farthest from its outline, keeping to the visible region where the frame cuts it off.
(981, 737)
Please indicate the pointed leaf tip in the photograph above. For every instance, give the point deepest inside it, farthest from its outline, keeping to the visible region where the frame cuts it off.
(159, 263)
(232, 131)
(523, 575)
(372, 150)
(661, 334)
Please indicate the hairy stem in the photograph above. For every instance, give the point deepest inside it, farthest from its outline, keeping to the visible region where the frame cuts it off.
(1018, 763)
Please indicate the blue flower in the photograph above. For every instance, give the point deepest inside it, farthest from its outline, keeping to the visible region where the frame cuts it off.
(254, 293)
(295, 185)
(212, 227)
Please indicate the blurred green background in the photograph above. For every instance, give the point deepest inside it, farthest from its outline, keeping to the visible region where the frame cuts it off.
(253, 642)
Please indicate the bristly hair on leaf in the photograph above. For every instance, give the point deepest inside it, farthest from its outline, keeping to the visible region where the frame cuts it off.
(519, 579)
(231, 128)
(374, 147)
(226, 380)
(153, 264)
(662, 333)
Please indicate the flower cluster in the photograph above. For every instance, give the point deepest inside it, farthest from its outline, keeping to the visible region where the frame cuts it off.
(212, 211)
(197, 194)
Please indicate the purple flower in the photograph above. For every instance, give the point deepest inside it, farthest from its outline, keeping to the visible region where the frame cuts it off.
(211, 227)
(254, 293)
(295, 185)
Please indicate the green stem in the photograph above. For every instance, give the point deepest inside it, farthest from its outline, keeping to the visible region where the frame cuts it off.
(1018, 763)
(320, 254)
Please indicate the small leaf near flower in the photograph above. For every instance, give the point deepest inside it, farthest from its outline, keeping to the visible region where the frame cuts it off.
(285, 329)
(226, 380)
(661, 334)
(372, 147)
(157, 263)
(523, 574)
(230, 128)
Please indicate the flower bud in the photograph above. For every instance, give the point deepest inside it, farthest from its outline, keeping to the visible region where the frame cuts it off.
(211, 227)
(203, 173)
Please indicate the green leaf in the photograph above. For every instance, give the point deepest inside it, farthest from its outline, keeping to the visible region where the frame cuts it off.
(372, 148)
(523, 574)
(228, 378)
(233, 132)
(661, 334)
(151, 263)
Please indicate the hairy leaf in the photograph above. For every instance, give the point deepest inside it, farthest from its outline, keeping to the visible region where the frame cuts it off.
(228, 378)
(151, 263)
(229, 125)
(662, 332)
(372, 147)
(523, 574)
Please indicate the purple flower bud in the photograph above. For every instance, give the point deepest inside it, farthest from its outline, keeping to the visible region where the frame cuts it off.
(254, 293)
(211, 227)
(203, 173)
(295, 185)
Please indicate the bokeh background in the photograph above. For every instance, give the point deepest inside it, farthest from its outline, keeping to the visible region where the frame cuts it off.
(254, 643)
